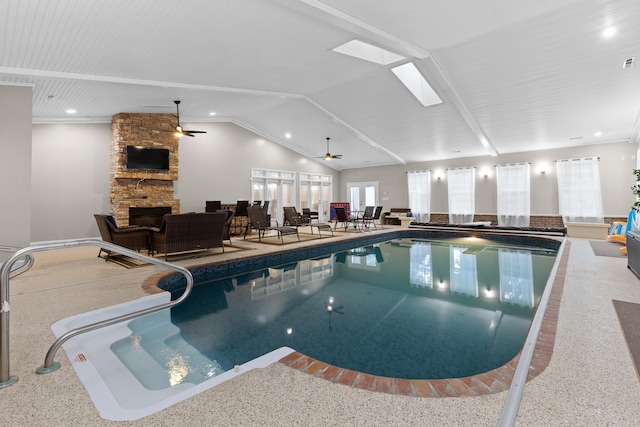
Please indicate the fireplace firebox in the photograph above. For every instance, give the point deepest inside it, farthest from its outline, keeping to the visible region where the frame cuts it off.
(148, 217)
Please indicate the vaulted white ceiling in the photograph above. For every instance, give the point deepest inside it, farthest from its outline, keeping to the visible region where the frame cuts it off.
(513, 75)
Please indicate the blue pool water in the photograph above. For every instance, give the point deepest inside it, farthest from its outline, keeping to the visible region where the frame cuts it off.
(403, 308)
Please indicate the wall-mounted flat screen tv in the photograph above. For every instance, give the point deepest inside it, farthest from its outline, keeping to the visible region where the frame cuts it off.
(145, 158)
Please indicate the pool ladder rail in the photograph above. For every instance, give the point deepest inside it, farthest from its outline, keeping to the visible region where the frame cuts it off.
(17, 268)
(7, 271)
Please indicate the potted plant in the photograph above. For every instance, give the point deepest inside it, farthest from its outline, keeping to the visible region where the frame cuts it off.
(636, 190)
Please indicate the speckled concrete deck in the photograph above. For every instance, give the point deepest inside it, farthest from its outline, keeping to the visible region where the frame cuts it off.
(589, 379)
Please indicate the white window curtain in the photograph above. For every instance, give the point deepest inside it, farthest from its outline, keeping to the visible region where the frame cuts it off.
(513, 195)
(579, 196)
(462, 189)
(419, 183)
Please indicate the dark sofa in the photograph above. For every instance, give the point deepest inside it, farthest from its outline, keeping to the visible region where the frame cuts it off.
(188, 232)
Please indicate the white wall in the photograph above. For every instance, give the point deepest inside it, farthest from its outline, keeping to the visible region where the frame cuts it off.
(617, 161)
(217, 165)
(15, 165)
(70, 179)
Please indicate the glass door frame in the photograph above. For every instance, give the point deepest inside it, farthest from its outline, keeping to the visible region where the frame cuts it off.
(369, 189)
(261, 184)
(318, 189)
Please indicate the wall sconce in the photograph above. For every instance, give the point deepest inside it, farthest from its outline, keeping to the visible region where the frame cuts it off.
(542, 168)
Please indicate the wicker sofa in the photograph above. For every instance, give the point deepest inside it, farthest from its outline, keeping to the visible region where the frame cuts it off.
(188, 232)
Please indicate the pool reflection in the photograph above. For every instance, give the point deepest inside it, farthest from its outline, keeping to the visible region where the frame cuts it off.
(406, 308)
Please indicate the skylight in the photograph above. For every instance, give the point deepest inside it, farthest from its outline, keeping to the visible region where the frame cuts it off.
(368, 52)
(417, 85)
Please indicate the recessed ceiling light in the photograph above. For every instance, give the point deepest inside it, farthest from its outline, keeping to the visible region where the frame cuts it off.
(609, 32)
(287, 135)
(416, 83)
(71, 111)
(213, 113)
(368, 52)
(598, 134)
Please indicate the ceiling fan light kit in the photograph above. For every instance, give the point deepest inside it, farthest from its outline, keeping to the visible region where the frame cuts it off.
(330, 156)
(179, 130)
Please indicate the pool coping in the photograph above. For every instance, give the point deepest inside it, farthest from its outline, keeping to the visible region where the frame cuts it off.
(491, 382)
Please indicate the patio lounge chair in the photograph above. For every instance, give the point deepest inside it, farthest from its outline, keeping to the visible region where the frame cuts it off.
(376, 217)
(258, 221)
(226, 232)
(367, 216)
(293, 218)
(310, 214)
(341, 217)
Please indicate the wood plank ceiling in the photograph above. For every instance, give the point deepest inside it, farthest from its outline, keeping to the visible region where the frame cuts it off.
(513, 76)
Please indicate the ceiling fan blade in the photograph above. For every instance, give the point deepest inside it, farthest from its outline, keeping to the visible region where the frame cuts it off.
(179, 129)
(330, 156)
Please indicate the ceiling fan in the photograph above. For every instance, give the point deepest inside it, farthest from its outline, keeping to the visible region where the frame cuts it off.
(330, 156)
(179, 130)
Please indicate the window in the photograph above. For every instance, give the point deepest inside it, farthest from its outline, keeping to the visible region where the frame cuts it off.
(462, 200)
(275, 186)
(579, 197)
(315, 193)
(419, 183)
(513, 195)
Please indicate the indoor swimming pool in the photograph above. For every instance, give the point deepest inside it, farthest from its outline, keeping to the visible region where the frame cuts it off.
(410, 307)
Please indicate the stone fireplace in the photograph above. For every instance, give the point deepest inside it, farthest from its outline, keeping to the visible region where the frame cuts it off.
(134, 189)
(148, 217)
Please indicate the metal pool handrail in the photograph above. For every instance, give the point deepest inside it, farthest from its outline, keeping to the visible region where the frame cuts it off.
(514, 396)
(20, 268)
(49, 365)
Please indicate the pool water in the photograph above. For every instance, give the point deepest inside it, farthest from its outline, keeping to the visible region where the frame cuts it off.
(404, 308)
